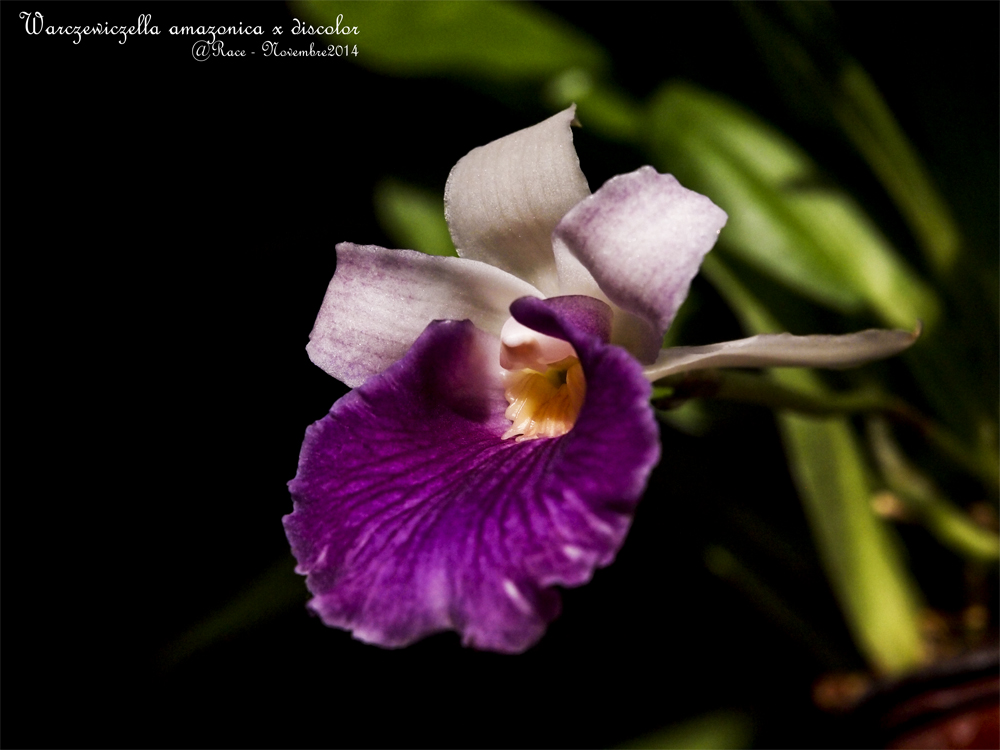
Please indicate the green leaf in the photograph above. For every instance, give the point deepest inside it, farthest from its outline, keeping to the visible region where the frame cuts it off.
(505, 42)
(719, 730)
(413, 217)
(274, 592)
(810, 236)
(690, 418)
(819, 77)
(864, 564)
(870, 125)
(601, 108)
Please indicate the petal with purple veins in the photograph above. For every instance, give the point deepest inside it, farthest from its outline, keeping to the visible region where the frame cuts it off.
(413, 516)
(380, 301)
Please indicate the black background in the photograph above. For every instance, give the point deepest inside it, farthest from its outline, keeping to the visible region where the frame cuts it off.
(168, 232)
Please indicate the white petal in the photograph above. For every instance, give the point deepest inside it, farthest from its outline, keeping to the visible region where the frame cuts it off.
(380, 300)
(503, 200)
(642, 236)
(522, 347)
(784, 350)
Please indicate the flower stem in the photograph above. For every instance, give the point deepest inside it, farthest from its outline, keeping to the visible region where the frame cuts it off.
(764, 391)
(922, 498)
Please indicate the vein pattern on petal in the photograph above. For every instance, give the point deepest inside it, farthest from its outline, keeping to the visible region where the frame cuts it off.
(380, 301)
(413, 516)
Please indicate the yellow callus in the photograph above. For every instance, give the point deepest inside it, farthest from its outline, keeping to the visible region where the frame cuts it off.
(544, 404)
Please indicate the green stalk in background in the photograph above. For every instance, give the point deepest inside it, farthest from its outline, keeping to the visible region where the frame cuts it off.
(864, 563)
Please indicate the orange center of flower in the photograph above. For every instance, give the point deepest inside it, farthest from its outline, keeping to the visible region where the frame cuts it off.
(544, 404)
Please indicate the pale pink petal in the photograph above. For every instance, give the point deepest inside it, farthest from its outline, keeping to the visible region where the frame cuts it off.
(380, 301)
(642, 236)
(635, 334)
(784, 350)
(503, 200)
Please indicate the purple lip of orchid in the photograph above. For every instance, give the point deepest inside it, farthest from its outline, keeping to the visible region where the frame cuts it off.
(499, 435)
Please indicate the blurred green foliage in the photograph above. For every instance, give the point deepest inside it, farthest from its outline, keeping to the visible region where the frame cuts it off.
(483, 41)
(795, 241)
(811, 66)
(863, 561)
(719, 730)
(783, 219)
(414, 217)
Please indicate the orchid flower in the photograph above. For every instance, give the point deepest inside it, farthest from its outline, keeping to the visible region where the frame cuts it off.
(499, 435)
